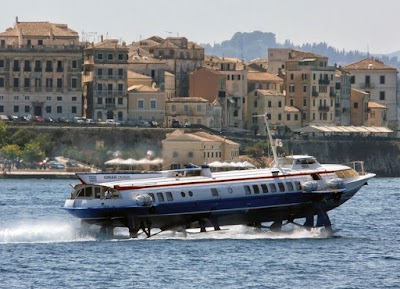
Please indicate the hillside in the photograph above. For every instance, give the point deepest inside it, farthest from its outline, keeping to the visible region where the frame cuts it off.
(252, 45)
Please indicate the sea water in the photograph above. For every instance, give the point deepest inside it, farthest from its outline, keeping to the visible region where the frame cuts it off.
(42, 246)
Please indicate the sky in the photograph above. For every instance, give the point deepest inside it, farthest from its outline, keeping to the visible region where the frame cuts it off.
(364, 25)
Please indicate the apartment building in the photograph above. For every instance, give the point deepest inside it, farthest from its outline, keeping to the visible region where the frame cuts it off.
(359, 107)
(180, 149)
(193, 110)
(178, 54)
(40, 70)
(105, 80)
(380, 82)
(272, 103)
(377, 114)
(310, 86)
(342, 96)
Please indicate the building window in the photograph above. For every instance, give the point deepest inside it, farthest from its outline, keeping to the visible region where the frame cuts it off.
(1, 63)
(59, 83)
(279, 103)
(120, 87)
(288, 117)
(49, 82)
(27, 82)
(59, 109)
(27, 97)
(175, 154)
(16, 82)
(27, 108)
(153, 104)
(74, 64)
(382, 79)
(120, 101)
(279, 116)
(291, 76)
(198, 108)
(48, 109)
(291, 102)
(110, 56)
(16, 97)
(59, 98)
(100, 56)
(269, 103)
(48, 97)
(74, 98)
(140, 104)
(291, 88)
(173, 107)
(120, 56)
(304, 101)
(110, 72)
(255, 103)
(353, 79)
(356, 105)
(1, 108)
(120, 72)
(16, 108)
(185, 108)
(40, 42)
(73, 109)
(2, 82)
(74, 83)
(305, 88)
(190, 154)
(381, 95)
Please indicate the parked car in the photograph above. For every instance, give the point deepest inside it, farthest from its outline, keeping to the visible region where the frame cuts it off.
(112, 122)
(176, 124)
(143, 123)
(153, 123)
(188, 124)
(36, 118)
(57, 166)
(90, 121)
(72, 163)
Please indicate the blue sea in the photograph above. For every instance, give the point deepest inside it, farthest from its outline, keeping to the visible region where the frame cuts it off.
(42, 246)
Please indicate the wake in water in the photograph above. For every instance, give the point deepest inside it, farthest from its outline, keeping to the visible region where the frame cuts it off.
(62, 231)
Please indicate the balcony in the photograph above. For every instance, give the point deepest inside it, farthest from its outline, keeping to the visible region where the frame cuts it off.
(110, 92)
(105, 106)
(38, 69)
(324, 81)
(60, 69)
(314, 93)
(49, 69)
(323, 108)
(367, 85)
(332, 94)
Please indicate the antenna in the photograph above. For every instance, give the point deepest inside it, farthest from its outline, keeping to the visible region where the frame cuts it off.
(271, 141)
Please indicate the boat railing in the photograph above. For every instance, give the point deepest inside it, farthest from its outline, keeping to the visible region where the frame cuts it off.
(358, 166)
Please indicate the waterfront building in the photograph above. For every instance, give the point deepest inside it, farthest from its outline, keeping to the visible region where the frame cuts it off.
(105, 80)
(180, 149)
(178, 54)
(40, 70)
(342, 96)
(380, 82)
(145, 101)
(359, 107)
(377, 114)
(193, 111)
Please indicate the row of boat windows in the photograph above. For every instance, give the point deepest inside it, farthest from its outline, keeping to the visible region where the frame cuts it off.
(253, 189)
(99, 193)
(272, 188)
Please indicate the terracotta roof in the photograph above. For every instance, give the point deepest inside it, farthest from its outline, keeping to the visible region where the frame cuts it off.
(109, 44)
(40, 29)
(368, 64)
(187, 99)
(263, 76)
(360, 91)
(213, 137)
(141, 88)
(296, 55)
(372, 104)
(270, 92)
(291, 109)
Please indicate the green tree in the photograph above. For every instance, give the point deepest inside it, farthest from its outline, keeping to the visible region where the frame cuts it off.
(46, 144)
(3, 133)
(33, 152)
(11, 152)
(22, 136)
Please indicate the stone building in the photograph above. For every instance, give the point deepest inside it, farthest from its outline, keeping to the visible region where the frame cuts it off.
(359, 107)
(40, 70)
(380, 81)
(180, 149)
(105, 80)
(176, 55)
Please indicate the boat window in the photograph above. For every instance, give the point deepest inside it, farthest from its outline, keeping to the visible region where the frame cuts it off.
(297, 185)
(190, 193)
(115, 194)
(289, 186)
(349, 173)
(88, 192)
(264, 188)
(247, 190)
(214, 192)
(169, 196)
(272, 187)
(315, 177)
(281, 187)
(160, 197)
(256, 189)
(79, 194)
(97, 192)
(152, 196)
(183, 194)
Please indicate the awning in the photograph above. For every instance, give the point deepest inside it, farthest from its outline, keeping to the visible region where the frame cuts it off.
(343, 129)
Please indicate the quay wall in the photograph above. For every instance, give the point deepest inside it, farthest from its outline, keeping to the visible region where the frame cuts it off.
(380, 155)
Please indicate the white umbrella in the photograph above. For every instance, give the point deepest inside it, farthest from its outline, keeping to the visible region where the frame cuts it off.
(114, 162)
